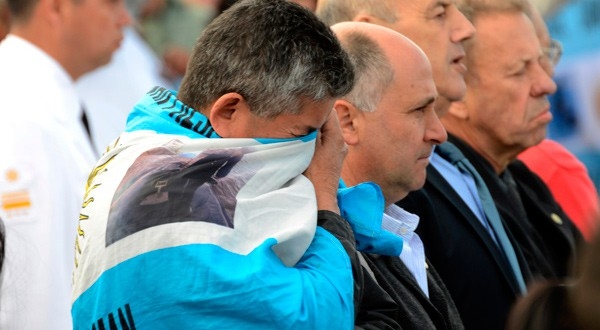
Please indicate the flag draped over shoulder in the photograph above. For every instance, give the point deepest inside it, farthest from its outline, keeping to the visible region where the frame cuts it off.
(182, 229)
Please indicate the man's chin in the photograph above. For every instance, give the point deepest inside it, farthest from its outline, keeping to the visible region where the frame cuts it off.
(535, 139)
(456, 90)
(418, 183)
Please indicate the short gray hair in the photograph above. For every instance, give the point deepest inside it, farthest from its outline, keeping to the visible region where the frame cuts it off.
(336, 11)
(274, 53)
(373, 71)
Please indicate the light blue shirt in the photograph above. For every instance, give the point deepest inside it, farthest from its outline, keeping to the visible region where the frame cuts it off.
(402, 223)
(465, 187)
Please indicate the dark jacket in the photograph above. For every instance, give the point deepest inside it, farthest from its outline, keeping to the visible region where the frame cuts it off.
(543, 231)
(415, 310)
(373, 307)
(473, 268)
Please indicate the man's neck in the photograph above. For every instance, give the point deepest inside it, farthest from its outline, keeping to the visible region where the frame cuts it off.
(497, 155)
(47, 40)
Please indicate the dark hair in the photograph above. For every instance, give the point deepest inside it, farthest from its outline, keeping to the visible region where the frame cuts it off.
(20, 10)
(2, 244)
(275, 53)
(568, 304)
(584, 298)
(544, 307)
(225, 4)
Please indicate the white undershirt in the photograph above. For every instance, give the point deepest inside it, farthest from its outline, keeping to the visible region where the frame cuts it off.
(402, 223)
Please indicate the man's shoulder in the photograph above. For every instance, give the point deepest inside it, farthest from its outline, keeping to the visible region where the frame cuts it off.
(525, 178)
(416, 310)
(436, 194)
(33, 94)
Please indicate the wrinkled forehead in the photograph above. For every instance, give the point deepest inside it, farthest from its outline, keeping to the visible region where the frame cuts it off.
(421, 6)
(516, 41)
(487, 23)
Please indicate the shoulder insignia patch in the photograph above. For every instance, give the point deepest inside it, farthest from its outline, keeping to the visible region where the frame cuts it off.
(16, 200)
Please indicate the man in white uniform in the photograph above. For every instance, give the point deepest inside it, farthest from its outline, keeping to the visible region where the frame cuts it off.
(110, 92)
(46, 151)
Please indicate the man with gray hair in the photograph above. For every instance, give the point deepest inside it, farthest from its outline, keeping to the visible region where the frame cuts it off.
(519, 232)
(210, 209)
(436, 26)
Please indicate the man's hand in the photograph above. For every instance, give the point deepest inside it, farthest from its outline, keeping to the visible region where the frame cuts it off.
(325, 168)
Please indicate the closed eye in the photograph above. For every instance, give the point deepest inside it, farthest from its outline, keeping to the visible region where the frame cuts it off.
(440, 11)
(428, 103)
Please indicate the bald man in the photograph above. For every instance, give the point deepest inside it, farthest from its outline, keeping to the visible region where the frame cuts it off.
(436, 26)
(392, 104)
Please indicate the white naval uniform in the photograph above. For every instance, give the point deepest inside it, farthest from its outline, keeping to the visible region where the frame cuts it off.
(45, 158)
(110, 92)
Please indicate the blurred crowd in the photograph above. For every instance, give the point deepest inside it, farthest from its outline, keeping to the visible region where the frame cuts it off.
(253, 164)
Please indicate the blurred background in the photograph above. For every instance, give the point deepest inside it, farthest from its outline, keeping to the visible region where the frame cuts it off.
(576, 105)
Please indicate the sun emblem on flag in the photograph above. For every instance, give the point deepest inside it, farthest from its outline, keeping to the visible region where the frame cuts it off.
(11, 175)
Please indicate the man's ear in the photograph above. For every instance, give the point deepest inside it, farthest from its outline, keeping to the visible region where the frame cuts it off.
(52, 9)
(228, 115)
(368, 18)
(459, 110)
(349, 118)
